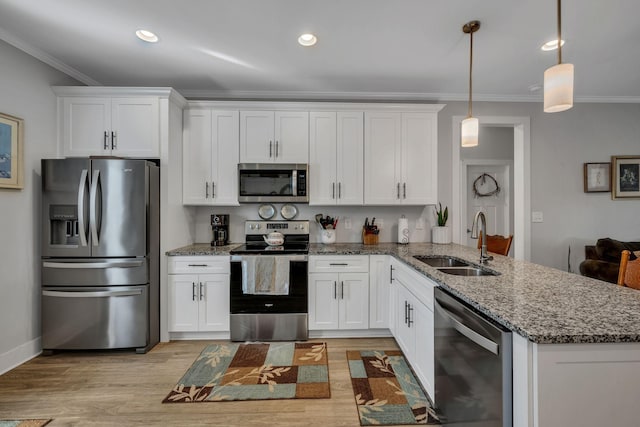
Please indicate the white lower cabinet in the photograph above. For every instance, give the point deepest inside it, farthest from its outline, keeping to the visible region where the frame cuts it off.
(413, 328)
(198, 294)
(338, 292)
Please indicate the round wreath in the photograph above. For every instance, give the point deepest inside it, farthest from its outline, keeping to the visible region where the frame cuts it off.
(482, 179)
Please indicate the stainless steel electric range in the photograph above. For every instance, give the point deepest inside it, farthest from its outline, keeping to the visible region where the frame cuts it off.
(269, 283)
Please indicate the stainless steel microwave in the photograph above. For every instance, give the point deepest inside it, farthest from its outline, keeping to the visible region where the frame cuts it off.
(272, 182)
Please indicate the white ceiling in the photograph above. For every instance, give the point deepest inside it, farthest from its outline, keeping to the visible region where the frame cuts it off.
(400, 49)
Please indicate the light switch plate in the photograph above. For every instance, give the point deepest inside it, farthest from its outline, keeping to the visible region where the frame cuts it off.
(347, 223)
(537, 217)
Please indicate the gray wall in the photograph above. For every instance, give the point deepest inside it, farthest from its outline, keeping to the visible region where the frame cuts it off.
(560, 144)
(25, 92)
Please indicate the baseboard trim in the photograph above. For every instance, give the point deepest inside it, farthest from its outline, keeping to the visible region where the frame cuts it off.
(19, 355)
(354, 333)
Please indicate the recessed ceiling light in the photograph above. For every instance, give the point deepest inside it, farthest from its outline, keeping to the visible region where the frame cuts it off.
(551, 45)
(147, 36)
(307, 39)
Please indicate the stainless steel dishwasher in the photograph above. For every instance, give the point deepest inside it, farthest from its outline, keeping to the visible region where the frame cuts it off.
(473, 359)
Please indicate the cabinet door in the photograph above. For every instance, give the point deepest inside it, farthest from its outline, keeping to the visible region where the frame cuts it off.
(382, 138)
(213, 294)
(224, 176)
(419, 159)
(350, 158)
(405, 330)
(323, 301)
(183, 302)
(135, 127)
(353, 289)
(86, 126)
(379, 288)
(257, 143)
(197, 157)
(322, 158)
(423, 363)
(291, 137)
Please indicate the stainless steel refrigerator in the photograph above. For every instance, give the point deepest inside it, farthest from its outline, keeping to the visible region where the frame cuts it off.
(100, 254)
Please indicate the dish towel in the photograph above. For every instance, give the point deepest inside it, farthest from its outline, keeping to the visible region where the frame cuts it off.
(265, 275)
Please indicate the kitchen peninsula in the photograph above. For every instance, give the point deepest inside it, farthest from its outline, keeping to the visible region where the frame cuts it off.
(576, 340)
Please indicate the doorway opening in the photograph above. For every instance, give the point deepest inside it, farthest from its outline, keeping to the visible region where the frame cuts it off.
(521, 201)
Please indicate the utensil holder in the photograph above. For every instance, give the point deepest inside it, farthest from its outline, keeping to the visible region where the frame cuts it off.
(369, 238)
(328, 236)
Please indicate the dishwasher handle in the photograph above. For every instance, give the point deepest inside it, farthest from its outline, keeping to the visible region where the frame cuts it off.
(483, 342)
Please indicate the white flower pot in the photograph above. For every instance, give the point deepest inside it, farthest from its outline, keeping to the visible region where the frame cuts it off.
(440, 235)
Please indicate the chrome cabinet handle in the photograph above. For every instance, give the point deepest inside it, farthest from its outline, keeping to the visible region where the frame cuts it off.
(338, 264)
(270, 148)
(341, 290)
(114, 144)
(339, 190)
(197, 265)
(398, 192)
(213, 189)
(409, 316)
(391, 274)
(333, 190)
(276, 149)
(206, 191)
(193, 291)
(105, 145)
(201, 292)
(405, 313)
(404, 190)
(335, 290)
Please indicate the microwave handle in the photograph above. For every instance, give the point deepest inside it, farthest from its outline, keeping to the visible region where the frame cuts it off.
(294, 182)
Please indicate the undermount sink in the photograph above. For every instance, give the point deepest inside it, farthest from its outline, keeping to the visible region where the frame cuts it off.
(441, 261)
(468, 271)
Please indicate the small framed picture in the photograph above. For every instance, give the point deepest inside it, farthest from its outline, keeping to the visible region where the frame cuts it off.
(11, 162)
(626, 177)
(597, 177)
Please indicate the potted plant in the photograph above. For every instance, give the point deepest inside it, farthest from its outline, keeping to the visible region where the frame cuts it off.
(441, 233)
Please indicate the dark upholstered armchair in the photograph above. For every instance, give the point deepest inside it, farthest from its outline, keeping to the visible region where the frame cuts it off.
(603, 260)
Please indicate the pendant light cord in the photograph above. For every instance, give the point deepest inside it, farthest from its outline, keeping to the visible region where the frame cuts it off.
(559, 32)
(470, 70)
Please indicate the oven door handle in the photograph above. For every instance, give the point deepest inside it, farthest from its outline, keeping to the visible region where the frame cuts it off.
(483, 342)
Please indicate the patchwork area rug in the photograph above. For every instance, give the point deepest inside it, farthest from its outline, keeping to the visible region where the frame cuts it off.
(386, 391)
(255, 371)
(24, 423)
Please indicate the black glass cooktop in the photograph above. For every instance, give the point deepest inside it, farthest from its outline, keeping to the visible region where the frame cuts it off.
(263, 248)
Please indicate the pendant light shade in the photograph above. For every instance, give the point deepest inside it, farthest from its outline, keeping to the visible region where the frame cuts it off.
(469, 126)
(469, 132)
(558, 80)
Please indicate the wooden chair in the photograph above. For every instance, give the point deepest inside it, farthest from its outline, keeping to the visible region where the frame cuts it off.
(629, 273)
(496, 244)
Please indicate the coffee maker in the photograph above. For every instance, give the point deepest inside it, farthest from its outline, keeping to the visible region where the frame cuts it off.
(220, 230)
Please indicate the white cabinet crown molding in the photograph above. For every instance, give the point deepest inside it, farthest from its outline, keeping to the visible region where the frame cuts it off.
(315, 106)
(92, 91)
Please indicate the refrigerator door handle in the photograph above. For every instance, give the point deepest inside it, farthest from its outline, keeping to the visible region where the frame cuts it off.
(103, 294)
(81, 222)
(93, 218)
(115, 264)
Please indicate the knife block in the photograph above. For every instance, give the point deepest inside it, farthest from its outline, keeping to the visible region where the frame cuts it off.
(369, 238)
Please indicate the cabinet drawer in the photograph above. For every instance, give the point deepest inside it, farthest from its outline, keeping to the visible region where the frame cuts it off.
(339, 264)
(417, 284)
(198, 264)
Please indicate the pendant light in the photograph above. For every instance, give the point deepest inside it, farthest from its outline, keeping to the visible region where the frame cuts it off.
(558, 80)
(469, 129)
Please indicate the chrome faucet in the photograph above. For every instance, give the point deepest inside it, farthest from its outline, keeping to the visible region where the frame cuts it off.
(483, 229)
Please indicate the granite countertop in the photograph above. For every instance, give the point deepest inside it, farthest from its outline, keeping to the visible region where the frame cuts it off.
(545, 305)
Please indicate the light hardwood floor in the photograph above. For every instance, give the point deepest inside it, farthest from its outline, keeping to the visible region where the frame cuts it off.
(126, 389)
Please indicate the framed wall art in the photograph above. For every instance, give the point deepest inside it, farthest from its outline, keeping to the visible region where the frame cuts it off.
(626, 177)
(597, 177)
(11, 161)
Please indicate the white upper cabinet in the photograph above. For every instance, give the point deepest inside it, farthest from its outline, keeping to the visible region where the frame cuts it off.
(118, 126)
(274, 137)
(210, 157)
(400, 152)
(336, 163)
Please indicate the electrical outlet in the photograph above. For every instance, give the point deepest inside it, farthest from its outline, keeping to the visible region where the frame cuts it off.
(537, 217)
(347, 223)
(420, 224)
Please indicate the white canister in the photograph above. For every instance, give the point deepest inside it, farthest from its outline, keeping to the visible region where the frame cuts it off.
(403, 230)
(328, 236)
